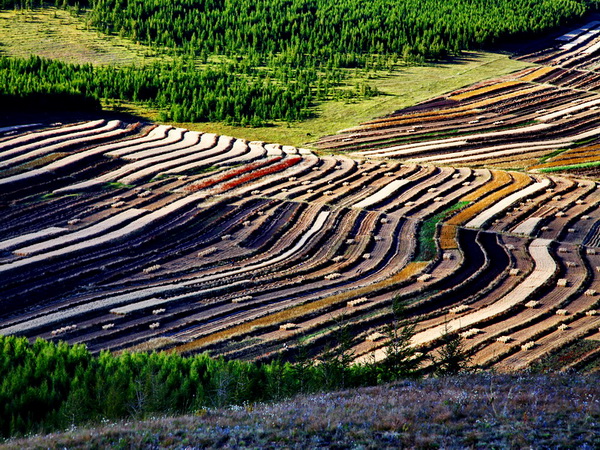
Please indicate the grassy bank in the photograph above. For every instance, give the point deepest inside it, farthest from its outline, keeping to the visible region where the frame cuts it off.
(471, 411)
(58, 34)
(404, 86)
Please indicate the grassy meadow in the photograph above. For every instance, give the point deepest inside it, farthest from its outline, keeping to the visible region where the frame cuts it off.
(402, 87)
(63, 35)
(59, 34)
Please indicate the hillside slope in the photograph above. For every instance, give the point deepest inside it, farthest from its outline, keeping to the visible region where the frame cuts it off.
(123, 236)
(476, 411)
(542, 119)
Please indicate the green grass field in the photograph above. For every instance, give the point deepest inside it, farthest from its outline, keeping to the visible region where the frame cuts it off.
(404, 87)
(61, 35)
(58, 34)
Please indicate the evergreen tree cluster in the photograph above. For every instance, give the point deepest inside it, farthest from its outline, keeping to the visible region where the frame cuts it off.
(46, 386)
(331, 30)
(183, 92)
(281, 56)
(343, 31)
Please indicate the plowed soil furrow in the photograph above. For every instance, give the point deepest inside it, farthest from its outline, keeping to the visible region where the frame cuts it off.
(153, 237)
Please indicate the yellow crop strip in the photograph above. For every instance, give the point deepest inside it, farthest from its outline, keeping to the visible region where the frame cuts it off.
(508, 96)
(485, 90)
(574, 156)
(499, 179)
(520, 180)
(448, 231)
(410, 120)
(537, 73)
(448, 237)
(294, 312)
(446, 114)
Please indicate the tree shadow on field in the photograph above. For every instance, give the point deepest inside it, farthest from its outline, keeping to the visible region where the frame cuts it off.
(45, 118)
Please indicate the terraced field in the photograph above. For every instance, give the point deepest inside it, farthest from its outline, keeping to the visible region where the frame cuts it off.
(543, 118)
(139, 236)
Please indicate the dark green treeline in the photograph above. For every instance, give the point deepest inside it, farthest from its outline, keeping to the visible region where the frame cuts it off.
(46, 386)
(231, 93)
(281, 56)
(332, 29)
(342, 31)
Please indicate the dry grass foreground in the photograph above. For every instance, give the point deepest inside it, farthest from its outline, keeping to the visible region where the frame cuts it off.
(471, 411)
